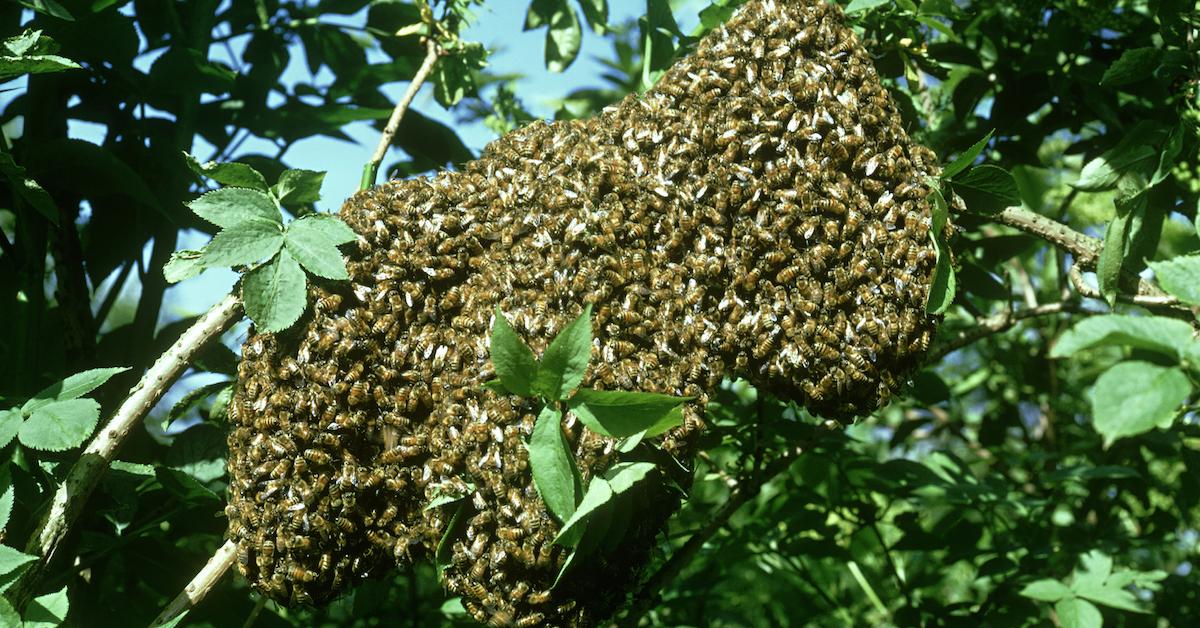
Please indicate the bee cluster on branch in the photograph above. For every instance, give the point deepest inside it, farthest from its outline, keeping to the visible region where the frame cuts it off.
(759, 213)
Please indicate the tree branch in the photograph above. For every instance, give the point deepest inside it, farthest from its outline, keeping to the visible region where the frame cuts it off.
(996, 324)
(85, 474)
(204, 581)
(1084, 248)
(371, 170)
(648, 595)
(1155, 299)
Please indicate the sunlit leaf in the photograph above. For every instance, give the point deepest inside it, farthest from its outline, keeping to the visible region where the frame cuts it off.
(60, 425)
(1134, 397)
(274, 294)
(552, 465)
(511, 358)
(565, 361)
(74, 386)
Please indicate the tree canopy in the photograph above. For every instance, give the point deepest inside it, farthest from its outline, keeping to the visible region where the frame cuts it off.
(1040, 466)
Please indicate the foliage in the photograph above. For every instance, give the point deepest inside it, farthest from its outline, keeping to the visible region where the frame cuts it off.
(629, 415)
(1042, 471)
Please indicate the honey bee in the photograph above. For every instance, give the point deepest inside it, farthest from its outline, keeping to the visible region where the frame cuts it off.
(539, 597)
(358, 393)
(387, 515)
(301, 431)
(297, 573)
(501, 617)
(510, 534)
(532, 619)
(479, 569)
(328, 302)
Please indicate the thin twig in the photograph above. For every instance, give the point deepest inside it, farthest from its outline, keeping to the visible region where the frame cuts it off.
(650, 591)
(371, 170)
(996, 324)
(1147, 300)
(204, 581)
(85, 474)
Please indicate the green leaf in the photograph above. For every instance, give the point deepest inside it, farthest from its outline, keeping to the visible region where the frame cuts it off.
(863, 5)
(275, 293)
(17, 64)
(199, 452)
(1156, 333)
(11, 560)
(563, 39)
(552, 465)
(1135, 397)
(1180, 276)
(565, 360)
(243, 245)
(1096, 567)
(444, 554)
(230, 208)
(8, 614)
(1117, 241)
(1170, 151)
(193, 398)
(672, 419)
(987, 189)
(332, 227)
(297, 187)
(596, 14)
(512, 359)
(60, 425)
(1111, 596)
(598, 494)
(314, 241)
(48, 7)
(183, 265)
(187, 488)
(622, 476)
(1103, 172)
(28, 189)
(441, 499)
(48, 610)
(944, 286)
(967, 157)
(10, 423)
(619, 413)
(941, 212)
(6, 496)
(72, 387)
(1077, 613)
(1133, 65)
(230, 174)
(1047, 590)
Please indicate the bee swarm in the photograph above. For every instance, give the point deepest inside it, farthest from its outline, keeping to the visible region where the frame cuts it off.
(759, 213)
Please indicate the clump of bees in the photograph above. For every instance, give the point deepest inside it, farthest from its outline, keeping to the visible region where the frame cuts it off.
(760, 213)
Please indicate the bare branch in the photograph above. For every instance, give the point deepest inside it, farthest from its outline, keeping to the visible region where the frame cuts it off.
(199, 587)
(1084, 248)
(371, 170)
(1154, 299)
(85, 474)
(996, 324)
